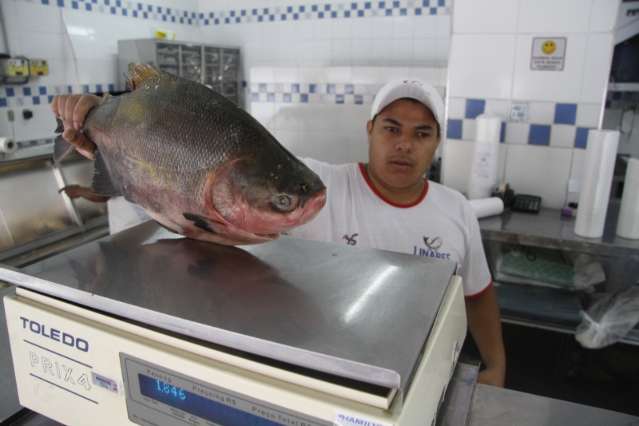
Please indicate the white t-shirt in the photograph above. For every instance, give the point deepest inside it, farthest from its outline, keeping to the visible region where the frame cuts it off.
(441, 224)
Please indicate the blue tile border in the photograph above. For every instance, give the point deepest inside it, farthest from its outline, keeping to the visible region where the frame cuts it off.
(581, 137)
(263, 14)
(327, 93)
(334, 10)
(22, 96)
(532, 133)
(539, 134)
(565, 113)
(474, 107)
(130, 9)
(454, 129)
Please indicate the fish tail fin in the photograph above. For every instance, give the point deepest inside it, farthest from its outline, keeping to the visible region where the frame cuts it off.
(139, 73)
(77, 191)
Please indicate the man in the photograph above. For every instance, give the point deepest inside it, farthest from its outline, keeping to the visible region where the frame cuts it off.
(388, 204)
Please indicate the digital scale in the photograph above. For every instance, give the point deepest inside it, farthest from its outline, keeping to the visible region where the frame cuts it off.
(149, 328)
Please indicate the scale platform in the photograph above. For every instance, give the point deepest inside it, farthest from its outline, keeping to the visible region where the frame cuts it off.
(339, 313)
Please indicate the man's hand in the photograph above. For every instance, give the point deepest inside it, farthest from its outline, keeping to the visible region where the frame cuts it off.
(493, 376)
(72, 110)
(485, 327)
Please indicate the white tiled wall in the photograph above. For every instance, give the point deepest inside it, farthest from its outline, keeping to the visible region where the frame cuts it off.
(540, 171)
(80, 46)
(493, 16)
(490, 62)
(473, 77)
(79, 39)
(296, 105)
(371, 40)
(557, 86)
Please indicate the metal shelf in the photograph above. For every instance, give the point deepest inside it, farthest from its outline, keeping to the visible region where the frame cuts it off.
(216, 67)
(623, 87)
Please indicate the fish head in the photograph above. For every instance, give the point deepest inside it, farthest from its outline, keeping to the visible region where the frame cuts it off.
(265, 196)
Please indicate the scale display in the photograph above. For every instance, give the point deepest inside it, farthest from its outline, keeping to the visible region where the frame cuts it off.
(156, 395)
(198, 405)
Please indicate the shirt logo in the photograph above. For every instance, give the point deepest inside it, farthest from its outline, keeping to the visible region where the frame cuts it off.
(351, 239)
(433, 244)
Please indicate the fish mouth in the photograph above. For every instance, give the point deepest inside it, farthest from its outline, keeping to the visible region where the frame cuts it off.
(267, 237)
(312, 206)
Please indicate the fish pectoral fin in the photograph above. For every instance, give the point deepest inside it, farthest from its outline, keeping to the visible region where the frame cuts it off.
(59, 125)
(139, 73)
(77, 191)
(202, 222)
(102, 182)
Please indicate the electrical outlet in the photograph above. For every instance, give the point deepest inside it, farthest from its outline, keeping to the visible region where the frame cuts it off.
(519, 112)
(39, 67)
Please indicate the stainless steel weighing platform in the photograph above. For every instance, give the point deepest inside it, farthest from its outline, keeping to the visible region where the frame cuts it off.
(353, 318)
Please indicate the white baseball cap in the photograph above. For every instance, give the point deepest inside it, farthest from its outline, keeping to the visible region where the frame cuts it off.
(409, 88)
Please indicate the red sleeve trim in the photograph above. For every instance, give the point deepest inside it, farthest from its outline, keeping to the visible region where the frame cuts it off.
(479, 293)
(371, 185)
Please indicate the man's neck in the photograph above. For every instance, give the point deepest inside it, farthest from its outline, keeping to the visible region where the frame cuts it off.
(403, 196)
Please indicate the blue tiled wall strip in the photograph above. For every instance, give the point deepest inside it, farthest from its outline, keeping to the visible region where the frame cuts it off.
(344, 9)
(313, 93)
(332, 93)
(19, 96)
(130, 9)
(341, 10)
(24, 96)
(538, 134)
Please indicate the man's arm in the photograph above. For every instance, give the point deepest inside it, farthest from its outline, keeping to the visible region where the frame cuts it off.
(485, 327)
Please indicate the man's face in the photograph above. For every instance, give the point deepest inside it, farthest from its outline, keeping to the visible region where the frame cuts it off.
(402, 142)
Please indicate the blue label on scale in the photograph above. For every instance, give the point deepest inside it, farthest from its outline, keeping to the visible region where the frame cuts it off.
(198, 405)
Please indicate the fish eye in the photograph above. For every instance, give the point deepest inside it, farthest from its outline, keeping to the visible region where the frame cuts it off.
(283, 202)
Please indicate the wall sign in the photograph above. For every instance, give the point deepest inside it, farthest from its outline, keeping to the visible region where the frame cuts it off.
(548, 54)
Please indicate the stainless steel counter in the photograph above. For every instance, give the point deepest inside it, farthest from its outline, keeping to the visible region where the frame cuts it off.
(503, 407)
(548, 229)
(9, 404)
(355, 314)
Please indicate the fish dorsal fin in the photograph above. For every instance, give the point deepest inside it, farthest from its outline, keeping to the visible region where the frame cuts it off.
(102, 182)
(139, 73)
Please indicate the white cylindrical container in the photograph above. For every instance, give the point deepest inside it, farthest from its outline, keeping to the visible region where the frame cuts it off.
(8, 146)
(628, 225)
(596, 180)
(487, 207)
(483, 170)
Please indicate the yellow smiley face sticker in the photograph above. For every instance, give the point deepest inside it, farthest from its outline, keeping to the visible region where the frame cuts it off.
(549, 47)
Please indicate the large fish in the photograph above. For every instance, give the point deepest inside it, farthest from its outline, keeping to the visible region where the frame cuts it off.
(198, 164)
